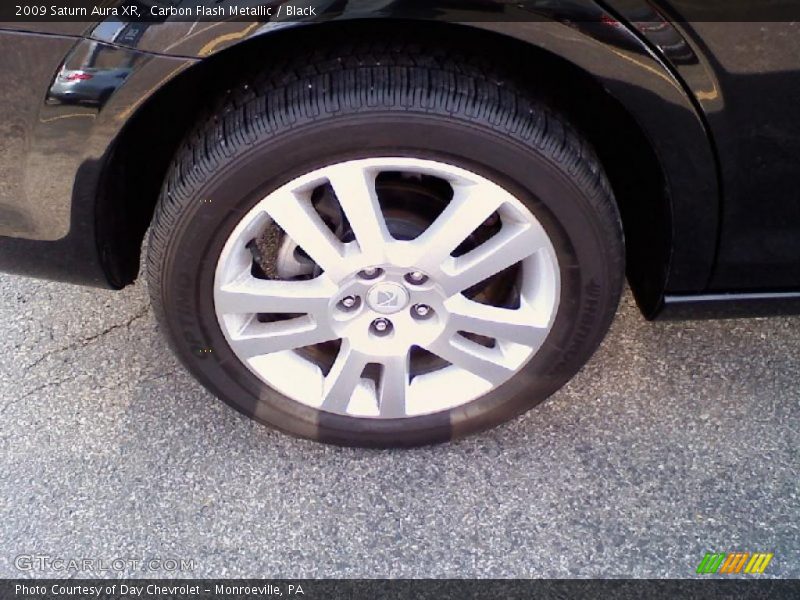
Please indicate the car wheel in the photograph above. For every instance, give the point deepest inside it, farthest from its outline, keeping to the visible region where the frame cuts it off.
(385, 246)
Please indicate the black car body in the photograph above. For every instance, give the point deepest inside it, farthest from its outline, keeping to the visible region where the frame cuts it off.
(691, 107)
(711, 110)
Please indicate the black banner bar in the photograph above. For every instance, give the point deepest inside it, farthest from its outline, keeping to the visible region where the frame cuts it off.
(159, 11)
(306, 589)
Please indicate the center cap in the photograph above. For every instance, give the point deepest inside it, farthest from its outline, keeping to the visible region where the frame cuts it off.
(387, 298)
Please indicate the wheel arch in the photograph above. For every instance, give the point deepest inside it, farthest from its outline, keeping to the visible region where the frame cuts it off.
(627, 103)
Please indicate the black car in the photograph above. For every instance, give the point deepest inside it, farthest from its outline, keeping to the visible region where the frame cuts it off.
(398, 222)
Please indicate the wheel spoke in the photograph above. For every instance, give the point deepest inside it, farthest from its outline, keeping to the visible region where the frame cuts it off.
(518, 326)
(297, 217)
(394, 387)
(486, 363)
(470, 207)
(266, 338)
(355, 190)
(249, 295)
(513, 243)
(343, 378)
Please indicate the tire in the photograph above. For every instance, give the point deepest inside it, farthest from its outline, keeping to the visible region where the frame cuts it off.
(347, 105)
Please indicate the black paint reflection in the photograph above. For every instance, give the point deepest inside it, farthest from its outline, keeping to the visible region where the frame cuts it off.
(93, 71)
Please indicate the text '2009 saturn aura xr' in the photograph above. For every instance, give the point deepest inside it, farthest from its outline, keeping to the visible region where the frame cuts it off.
(395, 223)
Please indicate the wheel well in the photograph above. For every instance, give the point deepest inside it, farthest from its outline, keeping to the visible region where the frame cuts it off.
(143, 152)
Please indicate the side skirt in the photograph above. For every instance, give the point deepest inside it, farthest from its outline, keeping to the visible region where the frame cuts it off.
(729, 306)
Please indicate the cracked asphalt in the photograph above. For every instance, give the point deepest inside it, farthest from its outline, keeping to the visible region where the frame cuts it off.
(677, 439)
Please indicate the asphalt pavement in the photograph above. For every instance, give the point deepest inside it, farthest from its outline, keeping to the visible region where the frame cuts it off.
(676, 440)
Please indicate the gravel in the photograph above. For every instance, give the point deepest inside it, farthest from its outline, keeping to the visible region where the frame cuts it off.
(676, 440)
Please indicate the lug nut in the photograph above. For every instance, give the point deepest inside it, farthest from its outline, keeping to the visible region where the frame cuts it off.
(417, 278)
(370, 273)
(422, 310)
(349, 302)
(382, 326)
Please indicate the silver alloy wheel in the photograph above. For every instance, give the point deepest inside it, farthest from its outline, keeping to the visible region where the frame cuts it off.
(382, 297)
